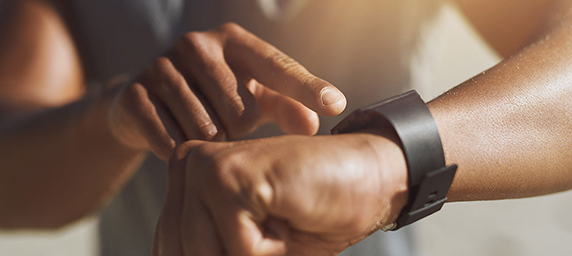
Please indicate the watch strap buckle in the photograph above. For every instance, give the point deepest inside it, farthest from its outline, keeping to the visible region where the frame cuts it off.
(428, 197)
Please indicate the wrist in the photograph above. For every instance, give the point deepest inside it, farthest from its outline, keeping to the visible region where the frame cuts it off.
(429, 178)
(391, 169)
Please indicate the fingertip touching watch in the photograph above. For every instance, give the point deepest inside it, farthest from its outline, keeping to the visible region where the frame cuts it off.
(429, 178)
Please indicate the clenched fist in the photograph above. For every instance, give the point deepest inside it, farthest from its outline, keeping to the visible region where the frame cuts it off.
(288, 195)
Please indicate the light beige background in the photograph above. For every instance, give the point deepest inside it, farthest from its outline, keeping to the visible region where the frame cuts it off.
(524, 227)
(537, 226)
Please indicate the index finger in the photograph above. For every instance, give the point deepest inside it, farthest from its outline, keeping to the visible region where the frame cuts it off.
(276, 70)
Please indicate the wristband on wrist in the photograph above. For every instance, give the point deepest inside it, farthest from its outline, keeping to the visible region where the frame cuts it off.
(429, 178)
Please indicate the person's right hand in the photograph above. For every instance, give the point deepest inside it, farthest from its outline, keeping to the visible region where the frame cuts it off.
(280, 196)
(217, 85)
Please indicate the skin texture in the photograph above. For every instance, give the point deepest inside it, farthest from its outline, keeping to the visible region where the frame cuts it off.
(85, 145)
(520, 148)
(211, 87)
(507, 129)
(246, 198)
(41, 71)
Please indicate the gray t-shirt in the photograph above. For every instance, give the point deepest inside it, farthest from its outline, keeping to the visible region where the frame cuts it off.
(363, 47)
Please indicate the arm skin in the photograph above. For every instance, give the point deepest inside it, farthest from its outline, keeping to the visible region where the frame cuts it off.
(64, 152)
(508, 130)
(60, 163)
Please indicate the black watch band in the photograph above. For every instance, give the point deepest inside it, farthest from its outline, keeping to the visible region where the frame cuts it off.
(429, 178)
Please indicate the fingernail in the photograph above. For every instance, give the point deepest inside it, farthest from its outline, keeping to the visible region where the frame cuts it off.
(330, 96)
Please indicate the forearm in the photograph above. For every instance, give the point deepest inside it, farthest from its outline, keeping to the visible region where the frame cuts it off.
(509, 128)
(60, 165)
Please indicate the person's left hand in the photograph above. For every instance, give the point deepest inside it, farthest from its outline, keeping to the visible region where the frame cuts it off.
(289, 195)
(219, 85)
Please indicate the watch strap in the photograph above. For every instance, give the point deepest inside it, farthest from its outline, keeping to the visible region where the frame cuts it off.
(428, 177)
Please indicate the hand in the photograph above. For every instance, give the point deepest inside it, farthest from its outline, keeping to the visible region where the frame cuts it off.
(218, 85)
(289, 195)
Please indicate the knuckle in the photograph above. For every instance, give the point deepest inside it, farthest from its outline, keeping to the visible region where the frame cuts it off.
(199, 48)
(134, 90)
(226, 83)
(194, 45)
(163, 65)
(294, 69)
(135, 97)
(170, 79)
(192, 39)
(221, 169)
(231, 28)
(283, 61)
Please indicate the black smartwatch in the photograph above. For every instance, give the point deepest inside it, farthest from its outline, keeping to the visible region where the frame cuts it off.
(429, 178)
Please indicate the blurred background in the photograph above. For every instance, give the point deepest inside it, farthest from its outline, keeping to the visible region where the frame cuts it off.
(477, 228)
